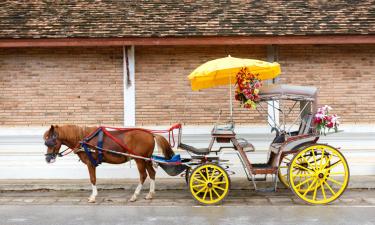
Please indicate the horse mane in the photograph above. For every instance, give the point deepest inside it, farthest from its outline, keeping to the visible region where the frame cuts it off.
(73, 133)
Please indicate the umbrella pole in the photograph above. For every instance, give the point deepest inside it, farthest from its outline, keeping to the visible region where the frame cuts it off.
(230, 100)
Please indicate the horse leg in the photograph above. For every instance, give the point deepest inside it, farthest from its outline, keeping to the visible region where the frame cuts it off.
(92, 171)
(151, 172)
(141, 165)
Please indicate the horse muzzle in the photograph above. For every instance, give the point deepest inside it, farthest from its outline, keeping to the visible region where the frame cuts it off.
(50, 158)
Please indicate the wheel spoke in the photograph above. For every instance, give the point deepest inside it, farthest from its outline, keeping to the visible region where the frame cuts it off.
(321, 161)
(327, 161)
(208, 175)
(333, 165)
(314, 157)
(303, 175)
(210, 194)
(336, 173)
(315, 189)
(301, 183)
(304, 168)
(213, 173)
(202, 189)
(329, 188)
(199, 180)
(307, 190)
(218, 176)
(198, 185)
(202, 175)
(205, 194)
(323, 191)
(308, 163)
(334, 181)
(219, 182)
(219, 187)
(213, 189)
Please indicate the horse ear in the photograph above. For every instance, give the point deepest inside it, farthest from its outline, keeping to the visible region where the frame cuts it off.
(52, 128)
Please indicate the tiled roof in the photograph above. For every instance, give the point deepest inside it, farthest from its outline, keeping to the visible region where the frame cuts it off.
(178, 18)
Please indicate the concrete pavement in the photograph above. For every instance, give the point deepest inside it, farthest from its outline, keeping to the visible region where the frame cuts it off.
(181, 215)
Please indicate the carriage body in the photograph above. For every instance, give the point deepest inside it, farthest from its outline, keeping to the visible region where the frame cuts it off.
(294, 156)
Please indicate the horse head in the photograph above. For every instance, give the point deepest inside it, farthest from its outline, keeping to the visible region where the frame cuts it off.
(53, 143)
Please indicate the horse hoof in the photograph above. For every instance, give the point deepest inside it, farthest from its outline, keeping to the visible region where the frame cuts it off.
(133, 198)
(91, 200)
(149, 196)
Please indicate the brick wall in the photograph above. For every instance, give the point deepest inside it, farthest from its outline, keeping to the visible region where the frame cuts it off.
(163, 94)
(344, 74)
(42, 86)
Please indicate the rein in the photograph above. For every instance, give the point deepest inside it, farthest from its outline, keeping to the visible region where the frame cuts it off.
(61, 154)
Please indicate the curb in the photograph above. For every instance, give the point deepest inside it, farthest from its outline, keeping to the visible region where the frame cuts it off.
(356, 182)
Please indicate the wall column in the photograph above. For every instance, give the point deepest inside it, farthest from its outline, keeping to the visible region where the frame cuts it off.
(129, 85)
(272, 56)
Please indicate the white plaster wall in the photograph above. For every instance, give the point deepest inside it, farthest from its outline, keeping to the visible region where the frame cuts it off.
(22, 149)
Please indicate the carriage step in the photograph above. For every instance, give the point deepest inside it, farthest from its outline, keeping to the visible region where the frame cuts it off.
(266, 189)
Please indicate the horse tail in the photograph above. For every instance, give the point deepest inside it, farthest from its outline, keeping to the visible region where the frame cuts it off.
(164, 145)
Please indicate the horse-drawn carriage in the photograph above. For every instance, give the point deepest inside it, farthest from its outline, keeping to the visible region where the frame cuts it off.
(317, 173)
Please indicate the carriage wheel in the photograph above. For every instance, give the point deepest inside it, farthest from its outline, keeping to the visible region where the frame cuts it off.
(283, 169)
(209, 183)
(302, 161)
(322, 177)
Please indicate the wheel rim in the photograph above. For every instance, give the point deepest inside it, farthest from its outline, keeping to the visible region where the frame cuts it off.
(318, 174)
(283, 169)
(209, 184)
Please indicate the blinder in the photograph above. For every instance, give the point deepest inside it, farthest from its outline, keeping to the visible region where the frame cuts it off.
(51, 141)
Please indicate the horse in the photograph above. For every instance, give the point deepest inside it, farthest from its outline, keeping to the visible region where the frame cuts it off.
(140, 141)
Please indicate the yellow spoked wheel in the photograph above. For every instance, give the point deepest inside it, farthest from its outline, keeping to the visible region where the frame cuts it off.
(283, 169)
(303, 162)
(209, 184)
(318, 174)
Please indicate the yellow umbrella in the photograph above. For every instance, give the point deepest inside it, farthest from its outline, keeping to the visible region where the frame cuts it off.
(224, 70)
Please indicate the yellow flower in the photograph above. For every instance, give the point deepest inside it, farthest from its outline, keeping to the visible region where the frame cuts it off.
(256, 91)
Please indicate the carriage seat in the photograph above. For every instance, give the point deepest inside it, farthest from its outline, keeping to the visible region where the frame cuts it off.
(197, 151)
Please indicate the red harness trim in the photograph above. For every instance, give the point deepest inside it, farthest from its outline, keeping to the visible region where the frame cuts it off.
(106, 132)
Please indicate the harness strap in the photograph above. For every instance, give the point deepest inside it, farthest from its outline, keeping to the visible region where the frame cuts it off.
(88, 153)
(100, 134)
(100, 145)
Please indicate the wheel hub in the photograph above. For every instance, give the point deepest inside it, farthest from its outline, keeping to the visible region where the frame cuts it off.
(320, 175)
(209, 184)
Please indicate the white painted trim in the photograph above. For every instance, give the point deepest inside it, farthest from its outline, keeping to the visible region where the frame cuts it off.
(246, 129)
(129, 91)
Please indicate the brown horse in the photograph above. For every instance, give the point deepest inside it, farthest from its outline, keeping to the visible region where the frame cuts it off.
(140, 142)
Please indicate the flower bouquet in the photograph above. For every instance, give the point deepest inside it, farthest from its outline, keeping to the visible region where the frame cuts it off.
(247, 89)
(324, 120)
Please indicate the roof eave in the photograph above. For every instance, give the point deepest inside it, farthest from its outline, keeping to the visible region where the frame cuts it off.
(217, 40)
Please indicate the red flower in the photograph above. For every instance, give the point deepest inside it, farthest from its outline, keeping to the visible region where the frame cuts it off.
(317, 120)
(329, 125)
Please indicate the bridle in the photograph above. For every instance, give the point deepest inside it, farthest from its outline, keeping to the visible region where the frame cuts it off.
(51, 143)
